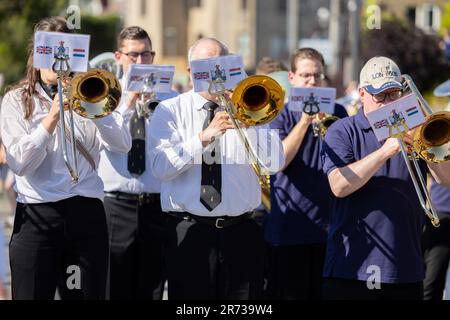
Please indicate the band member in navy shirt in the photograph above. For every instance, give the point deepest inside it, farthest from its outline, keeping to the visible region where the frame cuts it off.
(373, 248)
(296, 227)
(436, 245)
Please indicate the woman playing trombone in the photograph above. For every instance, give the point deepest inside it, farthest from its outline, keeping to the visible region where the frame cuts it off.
(56, 219)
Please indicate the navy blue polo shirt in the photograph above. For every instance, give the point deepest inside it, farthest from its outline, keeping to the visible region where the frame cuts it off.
(378, 227)
(300, 194)
(440, 196)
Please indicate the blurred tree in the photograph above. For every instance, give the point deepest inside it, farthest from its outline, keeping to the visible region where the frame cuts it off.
(17, 18)
(417, 53)
(103, 31)
(445, 20)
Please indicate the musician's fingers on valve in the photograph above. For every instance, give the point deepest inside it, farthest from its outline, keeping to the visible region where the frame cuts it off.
(221, 121)
(308, 119)
(408, 138)
(228, 94)
(132, 98)
(55, 104)
(391, 146)
(320, 116)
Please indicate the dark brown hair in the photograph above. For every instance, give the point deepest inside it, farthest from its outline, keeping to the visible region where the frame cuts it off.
(306, 53)
(32, 76)
(132, 33)
(268, 65)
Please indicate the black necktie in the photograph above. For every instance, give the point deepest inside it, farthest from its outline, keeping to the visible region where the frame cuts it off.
(210, 193)
(50, 89)
(136, 156)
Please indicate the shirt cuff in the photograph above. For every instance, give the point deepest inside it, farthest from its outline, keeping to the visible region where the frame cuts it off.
(40, 136)
(193, 147)
(107, 121)
(328, 170)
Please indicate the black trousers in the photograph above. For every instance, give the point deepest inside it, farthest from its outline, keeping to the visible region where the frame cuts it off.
(135, 237)
(346, 289)
(295, 272)
(436, 248)
(49, 235)
(204, 262)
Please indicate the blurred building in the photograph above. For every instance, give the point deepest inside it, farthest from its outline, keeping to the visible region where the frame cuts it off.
(175, 24)
(425, 14)
(251, 28)
(258, 28)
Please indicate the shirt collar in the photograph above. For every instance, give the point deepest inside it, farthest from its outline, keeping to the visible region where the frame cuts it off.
(199, 101)
(361, 119)
(41, 91)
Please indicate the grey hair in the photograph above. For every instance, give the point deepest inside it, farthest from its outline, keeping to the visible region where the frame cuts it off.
(223, 48)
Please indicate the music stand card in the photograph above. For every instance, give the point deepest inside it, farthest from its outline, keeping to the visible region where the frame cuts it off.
(150, 78)
(316, 99)
(73, 48)
(227, 69)
(398, 116)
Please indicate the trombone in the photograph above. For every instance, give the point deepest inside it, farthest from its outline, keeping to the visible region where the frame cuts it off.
(93, 94)
(256, 100)
(431, 142)
(319, 126)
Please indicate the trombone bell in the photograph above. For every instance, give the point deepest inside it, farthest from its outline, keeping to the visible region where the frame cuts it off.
(431, 140)
(257, 100)
(94, 94)
(320, 127)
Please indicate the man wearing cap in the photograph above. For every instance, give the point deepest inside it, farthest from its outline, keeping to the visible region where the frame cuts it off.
(373, 247)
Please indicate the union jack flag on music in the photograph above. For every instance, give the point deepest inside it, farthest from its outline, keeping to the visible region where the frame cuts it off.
(44, 50)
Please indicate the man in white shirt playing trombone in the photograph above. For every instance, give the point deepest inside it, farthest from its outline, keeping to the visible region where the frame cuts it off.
(214, 249)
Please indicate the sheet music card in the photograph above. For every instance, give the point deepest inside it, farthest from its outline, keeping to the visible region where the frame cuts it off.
(227, 69)
(398, 116)
(150, 78)
(73, 48)
(318, 99)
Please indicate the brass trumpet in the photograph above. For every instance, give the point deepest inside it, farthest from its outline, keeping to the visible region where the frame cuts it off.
(320, 127)
(147, 102)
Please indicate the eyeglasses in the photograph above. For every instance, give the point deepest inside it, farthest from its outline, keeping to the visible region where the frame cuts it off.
(393, 95)
(135, 55)
(308, 76)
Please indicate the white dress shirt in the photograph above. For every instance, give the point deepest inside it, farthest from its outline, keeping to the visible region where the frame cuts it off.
(35, 156)
(176, 159)
(113, 166)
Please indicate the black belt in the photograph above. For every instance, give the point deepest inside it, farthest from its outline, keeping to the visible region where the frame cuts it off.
(218, 222)
(142, 198)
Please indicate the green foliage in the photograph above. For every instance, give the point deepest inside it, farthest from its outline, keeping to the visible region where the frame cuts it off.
(17, 18)
(103, 31)
(445, 19)
(416, 52)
